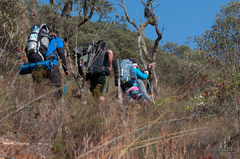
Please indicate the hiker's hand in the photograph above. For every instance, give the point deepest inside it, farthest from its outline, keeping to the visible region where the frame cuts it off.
(151, 65)
(67, 73)
(146, 72)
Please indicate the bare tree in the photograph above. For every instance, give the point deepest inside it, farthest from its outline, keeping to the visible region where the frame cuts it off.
(142, 49)
(86, 9)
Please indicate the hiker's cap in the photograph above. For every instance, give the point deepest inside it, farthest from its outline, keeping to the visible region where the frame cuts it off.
(135, 64)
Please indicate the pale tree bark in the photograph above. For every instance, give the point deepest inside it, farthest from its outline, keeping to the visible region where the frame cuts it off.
(142, 49)
(139, 33)
(159, 34)
(143, 44)
(121, 111)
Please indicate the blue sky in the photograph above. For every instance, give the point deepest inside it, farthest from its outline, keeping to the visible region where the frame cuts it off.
(181, 18)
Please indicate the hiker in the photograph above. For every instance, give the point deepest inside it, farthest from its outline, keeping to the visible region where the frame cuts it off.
(134, 92)
(99, 72)
(126, 66)
(55, 47)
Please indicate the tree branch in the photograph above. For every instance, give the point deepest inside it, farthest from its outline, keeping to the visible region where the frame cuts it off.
(67, 9)
(156, 28)
(143, 44)
(86, 17)
(52, 2)
(127, 16)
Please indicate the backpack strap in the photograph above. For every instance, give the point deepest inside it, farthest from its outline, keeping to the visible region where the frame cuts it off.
(103, 53)
(125, 81)
(106, 69)
(97, 66)
(97, 59)
(52, 37)
(29, 66)
(51, 57)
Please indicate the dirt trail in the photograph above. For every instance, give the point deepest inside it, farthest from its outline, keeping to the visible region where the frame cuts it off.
(10, 149)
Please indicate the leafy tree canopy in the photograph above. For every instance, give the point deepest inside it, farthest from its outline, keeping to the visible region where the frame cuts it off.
(225, 33)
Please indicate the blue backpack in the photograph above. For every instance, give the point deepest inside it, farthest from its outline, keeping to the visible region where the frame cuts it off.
(127, 74)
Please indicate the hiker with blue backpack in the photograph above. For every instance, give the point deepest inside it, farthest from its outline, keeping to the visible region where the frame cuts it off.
(134, 92)
(131, 79)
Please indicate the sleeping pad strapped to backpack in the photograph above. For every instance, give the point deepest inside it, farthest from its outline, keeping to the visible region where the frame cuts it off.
(29, 67)
(36, 50)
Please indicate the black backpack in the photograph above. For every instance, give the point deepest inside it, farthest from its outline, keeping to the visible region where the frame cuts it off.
(87, 51)
(38, 43)
(94, 54)
(85, 54)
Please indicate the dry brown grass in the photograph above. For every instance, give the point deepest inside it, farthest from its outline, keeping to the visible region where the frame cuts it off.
(29, 114)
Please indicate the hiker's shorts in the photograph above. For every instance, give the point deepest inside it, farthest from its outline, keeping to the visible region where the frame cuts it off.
(99, 85)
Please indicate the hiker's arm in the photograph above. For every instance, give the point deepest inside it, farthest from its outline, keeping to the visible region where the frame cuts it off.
(149, 66)
(60, 52)
(141, 75)
(110, 58)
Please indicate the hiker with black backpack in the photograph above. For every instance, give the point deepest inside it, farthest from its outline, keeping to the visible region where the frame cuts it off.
(99, 69)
